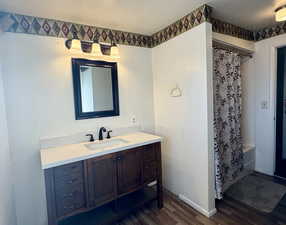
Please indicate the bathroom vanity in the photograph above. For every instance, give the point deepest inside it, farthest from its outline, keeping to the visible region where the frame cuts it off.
(103, 181)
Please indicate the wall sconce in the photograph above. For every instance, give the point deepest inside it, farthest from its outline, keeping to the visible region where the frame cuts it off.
(94, 48)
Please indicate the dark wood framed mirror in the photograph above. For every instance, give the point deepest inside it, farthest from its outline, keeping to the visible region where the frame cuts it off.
(95, 86)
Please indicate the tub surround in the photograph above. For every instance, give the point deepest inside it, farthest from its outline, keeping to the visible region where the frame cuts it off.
(249, 158)
(57, 156)
(249, 163)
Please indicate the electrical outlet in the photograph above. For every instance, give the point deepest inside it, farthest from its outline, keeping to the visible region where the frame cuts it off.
(133, 119)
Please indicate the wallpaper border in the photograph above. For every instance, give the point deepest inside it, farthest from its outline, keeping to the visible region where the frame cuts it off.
(269, 32)
(17, 23)
(232, 30)
(193, 19)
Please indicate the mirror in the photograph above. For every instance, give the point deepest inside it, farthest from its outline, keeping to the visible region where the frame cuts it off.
(95, 88)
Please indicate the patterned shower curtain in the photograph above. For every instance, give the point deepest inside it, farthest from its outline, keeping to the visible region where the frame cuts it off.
(227, 118)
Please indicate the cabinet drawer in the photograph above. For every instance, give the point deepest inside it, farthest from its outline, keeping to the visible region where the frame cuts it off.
(70, 198)
(72, 180)
(69, 169)
(150, 171)
(63, 188)
(69, 173)
(149, 153)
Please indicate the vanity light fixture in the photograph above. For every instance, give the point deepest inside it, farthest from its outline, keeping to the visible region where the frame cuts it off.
(94, 48)
(114, 51)
(280, 13)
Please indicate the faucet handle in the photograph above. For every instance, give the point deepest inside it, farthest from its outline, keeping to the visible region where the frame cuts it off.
(91, 137)
(108, 134)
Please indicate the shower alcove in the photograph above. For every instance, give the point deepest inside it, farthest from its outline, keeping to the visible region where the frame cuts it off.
(245, 50)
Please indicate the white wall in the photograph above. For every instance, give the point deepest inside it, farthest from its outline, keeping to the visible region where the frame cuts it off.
(7, 210)
(265, 72)
(39, 98)
(186, 122)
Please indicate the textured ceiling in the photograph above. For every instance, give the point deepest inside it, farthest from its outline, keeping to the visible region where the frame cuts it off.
(144, 16)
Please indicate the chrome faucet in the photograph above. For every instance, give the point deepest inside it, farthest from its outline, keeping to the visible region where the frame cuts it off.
(100, 135)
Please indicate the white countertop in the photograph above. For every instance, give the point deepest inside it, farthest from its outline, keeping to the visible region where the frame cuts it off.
(57, 156)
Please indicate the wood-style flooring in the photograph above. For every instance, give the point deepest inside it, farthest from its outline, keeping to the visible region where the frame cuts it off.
(230, 212)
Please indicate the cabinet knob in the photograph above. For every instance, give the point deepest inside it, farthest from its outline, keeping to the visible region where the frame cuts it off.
(68, 195)
(68, 207)
(72, 181)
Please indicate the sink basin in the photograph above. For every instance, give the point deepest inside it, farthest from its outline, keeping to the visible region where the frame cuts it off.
(105, 144)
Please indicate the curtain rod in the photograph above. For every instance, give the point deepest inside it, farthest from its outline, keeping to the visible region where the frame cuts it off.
(228, 47)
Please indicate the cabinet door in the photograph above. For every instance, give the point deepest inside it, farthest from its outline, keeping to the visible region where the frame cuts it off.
(129, 165)
(101, 178)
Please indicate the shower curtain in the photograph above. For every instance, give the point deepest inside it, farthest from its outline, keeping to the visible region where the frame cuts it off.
(227, 117)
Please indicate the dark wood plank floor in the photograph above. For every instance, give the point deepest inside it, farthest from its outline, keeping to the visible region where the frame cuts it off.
(230, 212)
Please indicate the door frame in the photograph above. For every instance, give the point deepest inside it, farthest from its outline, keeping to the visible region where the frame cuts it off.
(273, 91)
(277, 170)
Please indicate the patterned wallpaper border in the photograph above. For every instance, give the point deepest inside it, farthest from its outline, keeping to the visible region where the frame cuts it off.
(195, 18)
(17, 23)
(11, 22)
(269, 32)
(232, 30)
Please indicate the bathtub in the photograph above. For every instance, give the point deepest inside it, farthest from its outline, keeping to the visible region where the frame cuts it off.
(249, 157)
(249, 164)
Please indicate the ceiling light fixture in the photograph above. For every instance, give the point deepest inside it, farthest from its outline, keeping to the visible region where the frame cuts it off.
(280, 13)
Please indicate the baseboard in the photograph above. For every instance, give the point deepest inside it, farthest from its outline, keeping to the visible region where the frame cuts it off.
(264, 173)
(271, 176)
(197, 207)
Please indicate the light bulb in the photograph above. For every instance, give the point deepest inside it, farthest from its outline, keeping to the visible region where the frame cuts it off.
(114, 52)
(76, 45)
(96, 50)
(280, 14)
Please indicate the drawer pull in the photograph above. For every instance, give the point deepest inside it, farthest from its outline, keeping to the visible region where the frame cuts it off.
(68, 195)
(72, 181)
(68, 207)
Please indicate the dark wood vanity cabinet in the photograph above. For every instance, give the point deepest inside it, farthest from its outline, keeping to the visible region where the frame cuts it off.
(83, 186)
